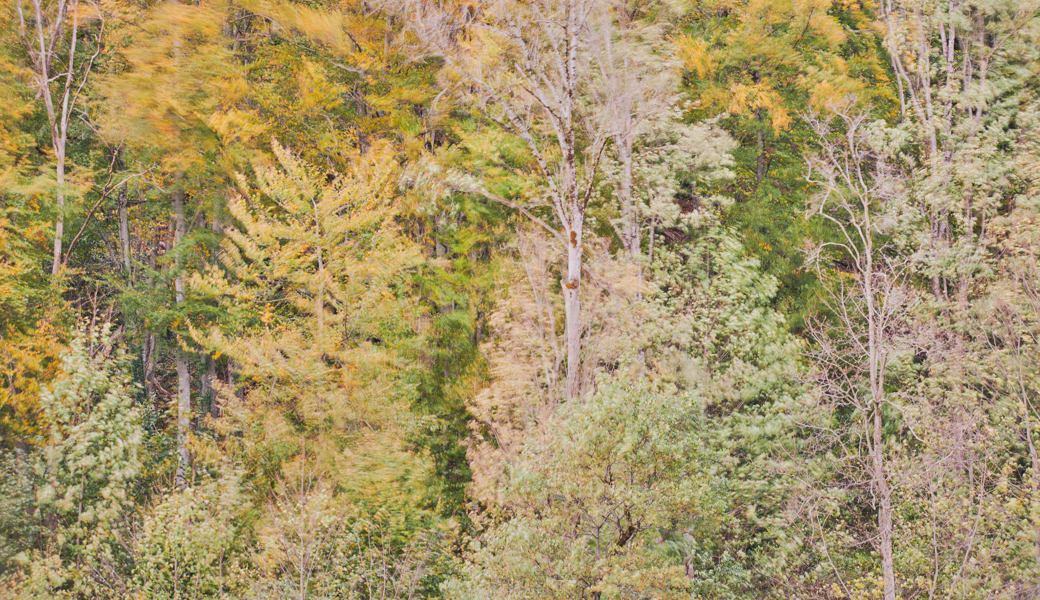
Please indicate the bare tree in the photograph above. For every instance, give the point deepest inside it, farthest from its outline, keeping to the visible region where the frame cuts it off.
(638, 84)
(303, 527)
(51, 36)
(866, 272)
(528, 67)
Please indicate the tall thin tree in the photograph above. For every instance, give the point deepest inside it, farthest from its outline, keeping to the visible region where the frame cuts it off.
(51, 36)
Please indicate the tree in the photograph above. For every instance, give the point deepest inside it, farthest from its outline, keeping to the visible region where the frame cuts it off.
(158, 107)
(757, 66)
(862, 193)
(662, 181)
(639, 83)
(589, 498)
(315, 542)
(312, 287)
(190, 545)
(696, 338)
(538, 83)
(52, 45)
(960, 72)
(84, 475)
(319, 319)
(716, 334)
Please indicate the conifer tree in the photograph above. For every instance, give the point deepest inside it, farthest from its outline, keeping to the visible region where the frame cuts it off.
(312, 282)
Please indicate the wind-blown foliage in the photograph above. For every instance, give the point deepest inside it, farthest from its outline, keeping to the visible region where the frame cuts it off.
(583, 299)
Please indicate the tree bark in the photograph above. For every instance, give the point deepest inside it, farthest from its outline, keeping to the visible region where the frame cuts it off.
(884, 510)
(211, 389)
(148, 366)
(629, 209)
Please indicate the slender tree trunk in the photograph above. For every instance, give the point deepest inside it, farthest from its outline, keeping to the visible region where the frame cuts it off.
(876, 362)
(148, 366)
(572, 308)
(148, 352)
(59, 223)
(1034, 461)
(183, 379)
(575, 211)
(629, 209)
(211, 378)
(884, 509)
(124, 230)
(760, 161)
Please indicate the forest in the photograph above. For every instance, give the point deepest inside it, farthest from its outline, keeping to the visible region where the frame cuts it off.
(519, 299)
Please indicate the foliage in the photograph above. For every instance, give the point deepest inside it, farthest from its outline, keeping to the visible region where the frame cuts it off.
(518, 305)
(311, 292)
(315, 543)
(761, 66)
(590, 497)
(192, 544)
(83, 476)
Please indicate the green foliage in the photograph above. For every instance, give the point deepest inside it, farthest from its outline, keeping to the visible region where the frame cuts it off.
(83, 475)
(721, 338)
(761, 66)
(19, 529)
(591, 497)
(669, 478)
(192, 544)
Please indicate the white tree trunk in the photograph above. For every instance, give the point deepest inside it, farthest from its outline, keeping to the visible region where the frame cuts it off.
(59, 223)
(572, 308)
(888, 573)
(629, 209)
(876, 362)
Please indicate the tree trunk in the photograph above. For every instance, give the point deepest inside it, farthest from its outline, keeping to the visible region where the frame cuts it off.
(760, 161)
(209, 389)
(884, 510)
(572, 309)
(1034, 463)
(629, 209)
(876, 363)
(183, 379)
(59, 223)
(124, 230)
(148, 366)
(183, 419)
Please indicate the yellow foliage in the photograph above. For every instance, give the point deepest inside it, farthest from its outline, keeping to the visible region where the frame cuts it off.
(332, 28)
(694, 54)
(308, 282)
(765, 54)
(28, 362)
(749, 98)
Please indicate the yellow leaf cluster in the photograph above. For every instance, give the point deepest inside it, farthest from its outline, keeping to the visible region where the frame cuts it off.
(694, 54)
(747, 98)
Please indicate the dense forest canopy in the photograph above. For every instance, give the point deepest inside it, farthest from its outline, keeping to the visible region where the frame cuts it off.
(520, 299)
